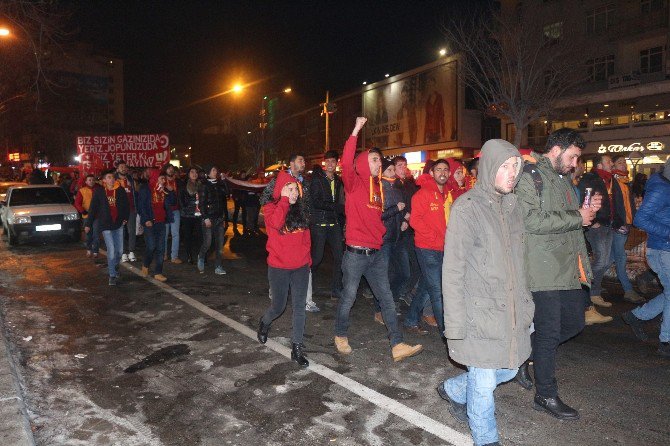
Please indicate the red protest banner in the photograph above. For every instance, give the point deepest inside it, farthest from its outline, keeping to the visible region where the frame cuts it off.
(100, 152)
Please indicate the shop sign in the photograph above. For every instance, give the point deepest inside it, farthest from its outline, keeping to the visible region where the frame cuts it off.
(634, 147)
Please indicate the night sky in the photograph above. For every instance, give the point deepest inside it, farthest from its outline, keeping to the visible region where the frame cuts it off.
(176, 52)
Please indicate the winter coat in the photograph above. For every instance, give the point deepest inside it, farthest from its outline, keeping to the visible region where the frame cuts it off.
(99, 209)
(326, 209)
(187, 202)
(364, 203)
(488, 308)
(214, 199)
(653, 216)
(392, 216)
(132, 187)
(556, 255)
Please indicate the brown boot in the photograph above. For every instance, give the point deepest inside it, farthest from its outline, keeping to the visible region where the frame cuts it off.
(379, 319)
(592, 316)
(145, 272)
(430, 320)
(160, 278)
(342, 345)
(177, 261)
(402, 351)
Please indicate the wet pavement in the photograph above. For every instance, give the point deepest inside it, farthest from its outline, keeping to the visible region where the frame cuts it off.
(135, 365)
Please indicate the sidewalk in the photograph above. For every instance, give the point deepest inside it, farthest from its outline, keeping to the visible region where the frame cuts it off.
(14, 423)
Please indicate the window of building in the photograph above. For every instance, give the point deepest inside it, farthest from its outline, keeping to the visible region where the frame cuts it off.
(647, 6)
(553, 33)
(600, 68)
(651, 60)
(600, 20)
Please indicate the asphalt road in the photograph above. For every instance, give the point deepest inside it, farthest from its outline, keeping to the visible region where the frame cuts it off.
(137, 364)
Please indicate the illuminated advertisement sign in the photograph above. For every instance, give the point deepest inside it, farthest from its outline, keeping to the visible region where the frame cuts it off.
(633, 147)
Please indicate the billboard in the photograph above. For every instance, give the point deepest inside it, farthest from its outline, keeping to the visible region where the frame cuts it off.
(413, 111)
(100, 152)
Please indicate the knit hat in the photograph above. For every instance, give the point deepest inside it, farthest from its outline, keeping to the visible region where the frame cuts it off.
(385, 164)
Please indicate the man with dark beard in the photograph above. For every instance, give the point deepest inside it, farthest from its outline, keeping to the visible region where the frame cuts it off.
(557, 260)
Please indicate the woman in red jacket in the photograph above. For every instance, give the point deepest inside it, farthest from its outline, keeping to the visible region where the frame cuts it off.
(289, 259)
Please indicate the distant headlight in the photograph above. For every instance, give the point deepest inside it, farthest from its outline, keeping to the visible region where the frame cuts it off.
(71, 216)
(21, 219)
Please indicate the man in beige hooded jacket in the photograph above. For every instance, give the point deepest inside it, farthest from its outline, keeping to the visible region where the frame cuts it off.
(488, 308)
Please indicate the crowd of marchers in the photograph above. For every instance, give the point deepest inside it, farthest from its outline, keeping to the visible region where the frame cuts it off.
(504, 257)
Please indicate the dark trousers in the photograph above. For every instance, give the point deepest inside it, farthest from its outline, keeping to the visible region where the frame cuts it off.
(430, 288)
(216, 231)
(559, 316)
(191, 234)
(252, 218)
(398, 274)
(154, 241)
(281, 281)
(375, 269)
(333, 236)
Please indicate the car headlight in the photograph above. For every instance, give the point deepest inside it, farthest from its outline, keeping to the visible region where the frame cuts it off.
(21, 219)
(71, 216)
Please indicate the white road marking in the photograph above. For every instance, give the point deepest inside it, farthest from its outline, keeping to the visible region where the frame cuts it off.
(408, 414)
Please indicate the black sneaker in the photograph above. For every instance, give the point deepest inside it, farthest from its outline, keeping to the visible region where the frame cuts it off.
(112, 281)
(635, 324)
(664, 349)
(457, 410)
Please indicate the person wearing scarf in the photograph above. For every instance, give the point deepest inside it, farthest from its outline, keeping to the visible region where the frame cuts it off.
(364, 233)
(155, 202)
(623, 214)
(600, 234)
(289, 260)
(190, 196)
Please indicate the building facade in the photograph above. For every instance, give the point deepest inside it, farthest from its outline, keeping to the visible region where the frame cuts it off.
(623, 104)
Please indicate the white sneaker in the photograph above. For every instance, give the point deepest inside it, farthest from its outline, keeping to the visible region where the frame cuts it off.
(312, 308)
(124, 258)
(131, 257)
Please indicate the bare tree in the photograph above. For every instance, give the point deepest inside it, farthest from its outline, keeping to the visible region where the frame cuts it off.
(36, 30)
(515, 62)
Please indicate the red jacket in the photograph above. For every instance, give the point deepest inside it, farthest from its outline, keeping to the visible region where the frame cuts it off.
(363, 204)
(456, 190)
(429, 215)
(286, 250)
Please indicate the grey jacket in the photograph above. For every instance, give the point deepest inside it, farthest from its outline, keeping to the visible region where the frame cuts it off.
(488, 309)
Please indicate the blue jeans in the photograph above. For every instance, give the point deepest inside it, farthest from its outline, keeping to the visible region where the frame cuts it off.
(659, 261)
(114, 244)
(600, 239)
(430, 287)
(93, 237)
(375, 269)
(618, 256)
(475, 389)
(154, 241)
(173, 228)
(397, 258)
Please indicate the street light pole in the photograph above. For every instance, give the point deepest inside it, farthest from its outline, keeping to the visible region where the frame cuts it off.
(263, 124)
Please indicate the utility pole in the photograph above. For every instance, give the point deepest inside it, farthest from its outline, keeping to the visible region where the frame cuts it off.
(328, 109)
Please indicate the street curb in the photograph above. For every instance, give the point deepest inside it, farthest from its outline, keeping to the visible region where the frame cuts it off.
(14, 421)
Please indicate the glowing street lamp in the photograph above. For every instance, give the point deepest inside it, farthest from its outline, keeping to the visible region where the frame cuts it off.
(443, 52)
(4, 32)
(287, 90)
(237, 88)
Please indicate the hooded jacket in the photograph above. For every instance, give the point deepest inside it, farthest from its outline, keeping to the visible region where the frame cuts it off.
(364, 203)
(556, 255)
(83, 199)
(488, 309)
(99, 209)
(190, 204)
(128, 183)
(214, 199)
(606, 215)
(430, 213)
(286, 249)
(452, 184)
(654, 213)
